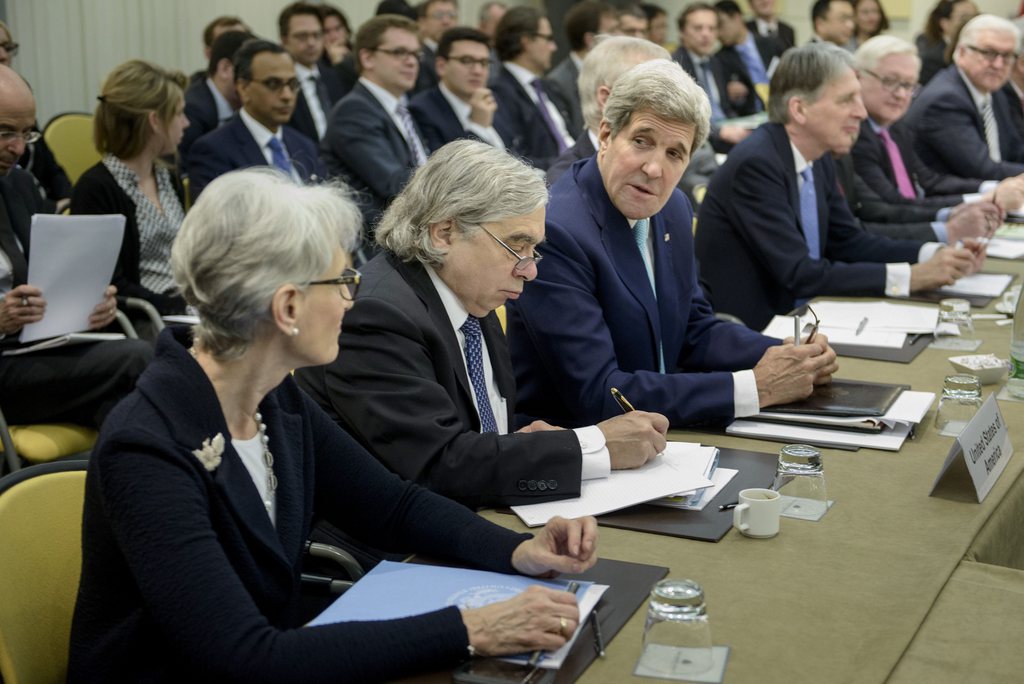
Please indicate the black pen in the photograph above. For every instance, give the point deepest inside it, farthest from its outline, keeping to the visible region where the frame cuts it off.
(537, 655)
(729, 506)
(598, 637)
(622, 401)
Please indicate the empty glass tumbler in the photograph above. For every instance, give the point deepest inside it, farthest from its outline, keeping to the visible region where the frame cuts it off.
(677, 636)
(800, 479)
(961, 399)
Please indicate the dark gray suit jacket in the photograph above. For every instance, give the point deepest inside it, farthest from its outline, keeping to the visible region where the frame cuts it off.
(400, 387)
(563, 91)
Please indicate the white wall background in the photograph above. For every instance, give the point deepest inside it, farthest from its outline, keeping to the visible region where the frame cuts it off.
(68, 46)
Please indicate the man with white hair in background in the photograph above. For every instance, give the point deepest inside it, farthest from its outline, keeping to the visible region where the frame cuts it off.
(892, 183)
(961, 121)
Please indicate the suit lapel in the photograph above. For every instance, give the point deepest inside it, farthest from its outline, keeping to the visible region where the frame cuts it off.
(290, 481)
(398, 141)
(667, 281)
(251, 153)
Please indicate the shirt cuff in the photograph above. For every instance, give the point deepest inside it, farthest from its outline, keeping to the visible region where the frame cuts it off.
(939, 228)
(928, 250)
(744, 394)
(597, 462)
(943, 214)
(897, 280)
(972, 197)
(987, 186)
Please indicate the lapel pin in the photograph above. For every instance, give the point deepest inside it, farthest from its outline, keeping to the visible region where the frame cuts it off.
(668, 237)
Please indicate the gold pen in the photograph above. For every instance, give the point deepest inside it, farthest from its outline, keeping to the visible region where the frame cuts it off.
(622, 401)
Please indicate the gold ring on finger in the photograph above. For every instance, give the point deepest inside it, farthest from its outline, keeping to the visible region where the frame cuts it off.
(563, 624)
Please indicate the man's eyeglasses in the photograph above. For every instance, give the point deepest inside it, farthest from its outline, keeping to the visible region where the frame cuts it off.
(991, 56)
(276, 85)
(894, 85)
(522, 262)
(401, 53)
(441, 15)
(545, 36)
(28, 137)
(10, 47)
(467, 61)
(347, 282)
(814, 328)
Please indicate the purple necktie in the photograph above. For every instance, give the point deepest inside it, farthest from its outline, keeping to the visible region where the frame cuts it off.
(545, 114)
(898, 168)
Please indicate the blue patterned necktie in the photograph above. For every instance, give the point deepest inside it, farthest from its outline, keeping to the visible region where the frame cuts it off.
(641, 229)
(809, 214)
(475, 366)
(278, 156)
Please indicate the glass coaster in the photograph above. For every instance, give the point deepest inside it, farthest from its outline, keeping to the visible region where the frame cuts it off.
(713, 675)
(792, 508)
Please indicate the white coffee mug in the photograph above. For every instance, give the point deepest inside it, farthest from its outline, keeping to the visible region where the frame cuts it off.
(757, 514)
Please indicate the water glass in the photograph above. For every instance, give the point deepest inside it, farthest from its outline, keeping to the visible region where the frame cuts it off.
(677, 636)
(961, 399)
(800, 479)
(956, 314)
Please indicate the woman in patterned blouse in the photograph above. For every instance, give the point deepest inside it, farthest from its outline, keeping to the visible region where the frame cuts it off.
(137, 126)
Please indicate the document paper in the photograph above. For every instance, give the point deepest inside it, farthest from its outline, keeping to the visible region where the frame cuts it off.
(869, 324)
(680, 468)
(397, 590)
(73, 259)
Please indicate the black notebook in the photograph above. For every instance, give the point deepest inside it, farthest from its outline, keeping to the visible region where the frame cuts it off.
(845, 398)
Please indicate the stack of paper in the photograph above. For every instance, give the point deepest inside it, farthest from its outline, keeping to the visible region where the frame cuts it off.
(680, 468)
(1005, 248)
(869, 324)
(908, 410)
(396, 590)
(979, 284)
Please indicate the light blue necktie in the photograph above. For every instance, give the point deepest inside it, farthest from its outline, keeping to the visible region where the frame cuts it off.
(641, 229)
(809, 214)
(707, 81)
(475, 366)
(279, 157)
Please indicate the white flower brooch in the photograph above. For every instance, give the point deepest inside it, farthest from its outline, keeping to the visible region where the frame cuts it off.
(209, 454)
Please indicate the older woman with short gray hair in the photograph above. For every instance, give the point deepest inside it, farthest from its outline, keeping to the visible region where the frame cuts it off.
(205, 482)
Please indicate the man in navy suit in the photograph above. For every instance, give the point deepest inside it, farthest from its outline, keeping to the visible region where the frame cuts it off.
(616, 302)
(433, 18)
(774, 231)
(731, 92)
(743, 49)
(372, 141)
(214, 100)
(961, 121)
(258, 136)
(766, 23)
(302, 35)
(530, 123)
(583, 23)
(461, 105)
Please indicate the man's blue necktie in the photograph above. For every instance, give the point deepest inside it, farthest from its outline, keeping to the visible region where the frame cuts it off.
(809, 214)
(475, 366)
(279, 157)
(641, 229)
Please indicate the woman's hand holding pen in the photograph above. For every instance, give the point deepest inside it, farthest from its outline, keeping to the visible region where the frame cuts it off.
(537, 619)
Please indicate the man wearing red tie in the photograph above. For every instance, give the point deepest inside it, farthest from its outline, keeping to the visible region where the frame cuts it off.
(888, 168)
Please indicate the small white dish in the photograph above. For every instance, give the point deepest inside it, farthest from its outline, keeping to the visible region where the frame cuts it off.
(988, 367)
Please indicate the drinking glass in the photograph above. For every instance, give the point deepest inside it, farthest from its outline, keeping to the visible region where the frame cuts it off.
(961, 399)
(677, 636)
(800, 479)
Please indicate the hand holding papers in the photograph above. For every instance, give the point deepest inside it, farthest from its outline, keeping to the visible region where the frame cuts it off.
(396, 590)
(680, 468)
(73, 258)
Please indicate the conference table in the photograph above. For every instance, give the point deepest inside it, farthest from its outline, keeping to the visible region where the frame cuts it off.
(892, 585)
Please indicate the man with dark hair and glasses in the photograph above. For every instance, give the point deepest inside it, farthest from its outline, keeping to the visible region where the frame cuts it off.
(461, 105)
(961, 121)
(531, 123)
(892, 186)
(302, 34)
(258, 135)
(372, 141)
(424, 379)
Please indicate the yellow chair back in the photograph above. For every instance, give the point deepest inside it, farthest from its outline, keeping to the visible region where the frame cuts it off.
(50, 441)
(69, 136)
(40, 563)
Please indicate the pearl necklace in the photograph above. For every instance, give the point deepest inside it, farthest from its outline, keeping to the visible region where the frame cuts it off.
(268, 458)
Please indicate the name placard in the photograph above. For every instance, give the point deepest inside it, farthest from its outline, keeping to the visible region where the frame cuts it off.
(985, 447)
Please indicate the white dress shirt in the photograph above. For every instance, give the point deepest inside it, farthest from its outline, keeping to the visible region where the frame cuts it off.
(307, 80)
(897, 275)
(462, 111)
(262, 135)
(596, 459)
(526, 79)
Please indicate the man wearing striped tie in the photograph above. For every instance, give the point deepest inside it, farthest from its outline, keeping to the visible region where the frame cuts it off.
(372, 141)
(961, 121)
